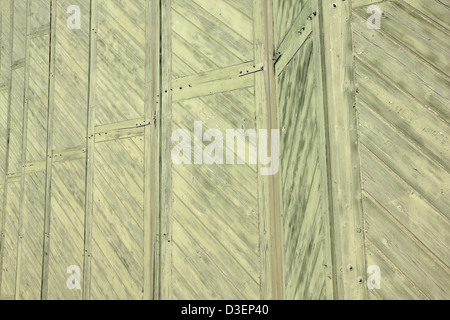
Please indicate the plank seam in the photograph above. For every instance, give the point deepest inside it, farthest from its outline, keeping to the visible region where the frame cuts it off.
(322, 119)
(151, 173)
(90, 149)
(408, 232)
(414, 53)
(396, 86)
(164, 248)
(425, 17)
(49, 161)
(383, 256)
(405, 182)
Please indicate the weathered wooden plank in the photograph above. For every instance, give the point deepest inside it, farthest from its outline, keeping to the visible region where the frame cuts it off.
(300, 176)
(347, 219)
(414, 33)
(221, 36)
(164, 249)
(271, 255)
(328, 292)
(151, 152)
(49, 162)
(410, 257)
(405, 159)
(90, 149)
(394, 284)
(402, 69)
(32, 242)
(118, 219)
(17, 64)
(303, 252)
(285, 12)
(40, 31)
(417, 123)
(363, 3)
(71, 79)
(300, 30)
(10, 239)
(227, 73)
(122, 43)
(70, 154)
(119, 134)
(232, 276)
(7, 143)
(223, 197)
(406, 205)
(210, 88)
(67, 228)
(19, 35)
(20, 228)
(237, 231)
(229, 16)
(438, 11)
(37, 99)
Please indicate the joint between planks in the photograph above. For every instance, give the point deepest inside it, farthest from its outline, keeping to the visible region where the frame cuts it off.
(272, 285)
(164, 268)
(49, 161)
(151, 163)
(90, 150)
(346, 216)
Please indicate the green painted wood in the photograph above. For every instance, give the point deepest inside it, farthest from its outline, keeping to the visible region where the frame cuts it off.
(402, 102)
(32, 242)
(216, 234)
(304, 172)
(7, 24)
(349, 263)
(431, 277)
(66, 227)
(285, 13)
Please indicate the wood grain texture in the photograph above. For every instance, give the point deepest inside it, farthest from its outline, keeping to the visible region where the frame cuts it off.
(7, 33)
(344, 167)
(92, 104)
(403, 115)
(48, 159)
(87, 179)
(270, 230)
(152, 149)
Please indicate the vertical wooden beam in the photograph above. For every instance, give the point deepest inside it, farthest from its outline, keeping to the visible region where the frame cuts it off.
(90, 149)
(322, 121)
(151, 182)
(8, 136)
(343, 158)
(24, 151)
(268, 186)
(49, 160)
(164, 274)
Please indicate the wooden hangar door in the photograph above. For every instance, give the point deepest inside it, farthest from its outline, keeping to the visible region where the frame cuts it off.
(218, 223)
(92, 205)
(79, 81)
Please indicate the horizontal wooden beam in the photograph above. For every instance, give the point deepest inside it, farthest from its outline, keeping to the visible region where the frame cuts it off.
(209, 88)
(231, 72)
(110, 132)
